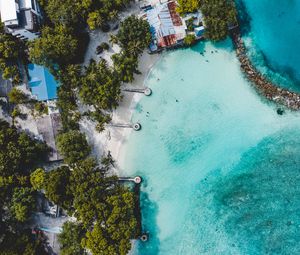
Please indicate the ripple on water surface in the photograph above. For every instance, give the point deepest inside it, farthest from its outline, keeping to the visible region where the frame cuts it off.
(255, 209)
(220, 171)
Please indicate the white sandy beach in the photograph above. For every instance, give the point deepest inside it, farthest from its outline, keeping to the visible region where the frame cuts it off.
(113, 138)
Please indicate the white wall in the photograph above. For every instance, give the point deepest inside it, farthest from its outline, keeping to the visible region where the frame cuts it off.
(8, 10)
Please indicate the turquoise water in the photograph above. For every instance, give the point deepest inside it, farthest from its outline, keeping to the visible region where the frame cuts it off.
(220, 167)
(272, 29)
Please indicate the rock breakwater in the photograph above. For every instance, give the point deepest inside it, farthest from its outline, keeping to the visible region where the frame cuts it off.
(264, 87)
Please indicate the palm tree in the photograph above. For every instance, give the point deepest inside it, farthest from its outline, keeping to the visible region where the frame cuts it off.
(113, 39)
(135, 48)
(114, 15)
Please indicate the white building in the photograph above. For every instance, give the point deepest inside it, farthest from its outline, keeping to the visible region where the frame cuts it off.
(21, 18)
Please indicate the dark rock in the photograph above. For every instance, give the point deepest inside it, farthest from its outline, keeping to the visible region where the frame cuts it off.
(280, 111)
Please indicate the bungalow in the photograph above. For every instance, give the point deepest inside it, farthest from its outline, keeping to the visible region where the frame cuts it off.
(21, 18)
(195, 24)
(167, 27)
(41, 83)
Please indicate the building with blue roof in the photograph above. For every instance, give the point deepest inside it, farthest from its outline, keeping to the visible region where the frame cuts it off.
(42, 83)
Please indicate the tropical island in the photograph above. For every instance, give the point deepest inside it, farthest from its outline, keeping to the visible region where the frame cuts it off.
(69, 71)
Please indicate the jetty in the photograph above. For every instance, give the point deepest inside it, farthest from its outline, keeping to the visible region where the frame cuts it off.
(146, 91)
(264, 86)
(136, 126)
(136, 180)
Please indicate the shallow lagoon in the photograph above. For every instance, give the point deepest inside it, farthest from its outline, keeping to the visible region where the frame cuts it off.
(220, 167)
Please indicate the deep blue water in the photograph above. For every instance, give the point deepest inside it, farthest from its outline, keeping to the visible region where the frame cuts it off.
(272, 32)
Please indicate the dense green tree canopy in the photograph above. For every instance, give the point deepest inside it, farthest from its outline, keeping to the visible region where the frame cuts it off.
(38, 178)
(18, 152)
(57, 187)
(40, 108)
(98, 198)
(134, 35)
(96, 20)
(96, 13)
(23, 203)
(70, 81)
(90, 189)
(9, 48)
(125, 66)
(73, 146)
(115, 228)
(21, 242)
(70, 239)
(100, 203)
(186, 6)
(219, 15)
(67, 12)
(10, 52)
(100, 87)
(55, 46)
(103, 11)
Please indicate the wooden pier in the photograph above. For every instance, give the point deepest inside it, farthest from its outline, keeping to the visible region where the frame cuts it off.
(146, 91)
(136, 126)
(136, 180)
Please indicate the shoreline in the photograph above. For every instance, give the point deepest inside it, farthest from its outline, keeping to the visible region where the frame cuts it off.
(262, 85)
(124, 112)
(126, 109)
(112, 138)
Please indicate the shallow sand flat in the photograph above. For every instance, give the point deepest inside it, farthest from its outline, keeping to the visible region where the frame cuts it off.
(204, 130)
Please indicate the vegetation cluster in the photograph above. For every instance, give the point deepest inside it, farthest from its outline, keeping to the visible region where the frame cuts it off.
(85, 189)
(96, 13)
(103, 207)
(219, 16)
(19, 156)
(11, 53)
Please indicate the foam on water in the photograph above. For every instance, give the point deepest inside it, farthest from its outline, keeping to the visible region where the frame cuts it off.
(215, 158)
